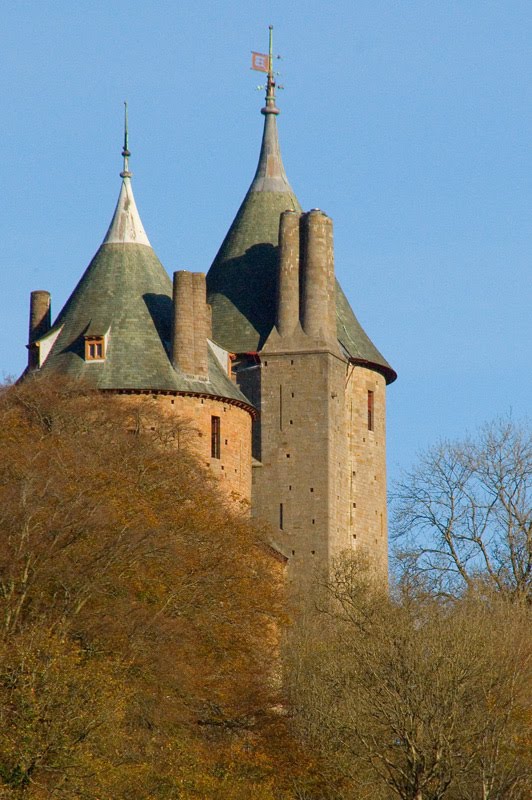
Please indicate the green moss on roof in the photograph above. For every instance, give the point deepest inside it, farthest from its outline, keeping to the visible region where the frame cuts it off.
(242, 281)
(126, 293)
(355, 340)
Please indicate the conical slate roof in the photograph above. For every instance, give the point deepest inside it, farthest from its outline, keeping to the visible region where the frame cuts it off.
(242, 281)
(125, 295)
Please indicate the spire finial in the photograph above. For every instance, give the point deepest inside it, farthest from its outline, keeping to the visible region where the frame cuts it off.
(270, 107)
(125, 151)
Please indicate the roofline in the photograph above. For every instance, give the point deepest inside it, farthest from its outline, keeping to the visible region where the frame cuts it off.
(252, 411)
(388, 373)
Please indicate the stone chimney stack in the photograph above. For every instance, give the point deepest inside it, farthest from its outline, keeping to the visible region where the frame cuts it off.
(191, 324)
(209, 321)
(202, 324)
(317, 283)
(288, 284)
(40, 314)
(331, 282)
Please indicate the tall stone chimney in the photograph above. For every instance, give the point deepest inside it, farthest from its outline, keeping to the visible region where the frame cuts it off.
(40, 322)
(209, 321)
(287, 315)
(191, 324)
(317, 282)
(202, 324)
(40, 314)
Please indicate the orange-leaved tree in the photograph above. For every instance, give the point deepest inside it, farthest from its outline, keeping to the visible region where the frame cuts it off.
(139, 612)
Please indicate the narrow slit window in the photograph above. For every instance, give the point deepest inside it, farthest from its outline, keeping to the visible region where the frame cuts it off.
(215, 437)
(371, 411)
(281, 516)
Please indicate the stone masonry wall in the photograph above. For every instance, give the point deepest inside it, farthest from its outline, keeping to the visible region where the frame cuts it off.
(291, 488)
(233, 468)
(367, 524)
(322, 479)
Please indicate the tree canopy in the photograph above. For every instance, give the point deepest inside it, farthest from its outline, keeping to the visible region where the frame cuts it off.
(143, 645)
(139, 612)
(414, 698)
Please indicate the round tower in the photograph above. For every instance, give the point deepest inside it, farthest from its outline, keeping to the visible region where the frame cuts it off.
(124, 330)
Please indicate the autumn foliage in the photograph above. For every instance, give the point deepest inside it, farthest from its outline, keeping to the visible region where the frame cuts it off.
(145, 651)
(413, 698)
(139, 613)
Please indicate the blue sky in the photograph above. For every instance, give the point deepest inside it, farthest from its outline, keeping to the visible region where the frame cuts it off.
(407, 122)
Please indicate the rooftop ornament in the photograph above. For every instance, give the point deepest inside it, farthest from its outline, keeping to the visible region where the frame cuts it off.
(125, 150)
(264, 63)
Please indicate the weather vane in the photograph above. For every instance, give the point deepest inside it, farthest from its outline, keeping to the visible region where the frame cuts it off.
(264, 63)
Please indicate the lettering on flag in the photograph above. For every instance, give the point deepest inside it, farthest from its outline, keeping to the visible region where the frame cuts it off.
(260, 62)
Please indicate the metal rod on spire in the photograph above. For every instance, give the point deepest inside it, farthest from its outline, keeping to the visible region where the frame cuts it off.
(270, 107)
(270, 84)
(264, 63)
(125, 151)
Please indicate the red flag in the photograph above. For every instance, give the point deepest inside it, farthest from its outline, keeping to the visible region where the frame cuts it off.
(260, 62)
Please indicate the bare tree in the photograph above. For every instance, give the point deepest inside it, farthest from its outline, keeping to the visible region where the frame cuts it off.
(416, 699)
(464, 513)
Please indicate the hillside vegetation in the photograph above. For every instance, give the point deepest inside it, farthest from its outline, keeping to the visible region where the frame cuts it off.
(147, 650)
(139, 613)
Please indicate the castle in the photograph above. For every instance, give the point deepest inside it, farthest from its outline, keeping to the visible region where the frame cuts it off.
(284, 390)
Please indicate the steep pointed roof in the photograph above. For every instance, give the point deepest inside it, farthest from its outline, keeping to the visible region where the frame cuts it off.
(242, 281)
(126, 226)
(125, 296)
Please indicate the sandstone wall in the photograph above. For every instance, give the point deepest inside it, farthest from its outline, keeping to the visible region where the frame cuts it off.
(233, 467)
(367, 523)
(322, 479)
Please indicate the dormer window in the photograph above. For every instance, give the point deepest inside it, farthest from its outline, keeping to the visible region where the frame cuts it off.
(94, 348)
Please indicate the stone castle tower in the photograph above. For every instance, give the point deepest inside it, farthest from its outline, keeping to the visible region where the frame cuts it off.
(126, 329)
(302, 359)
(285, 391)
